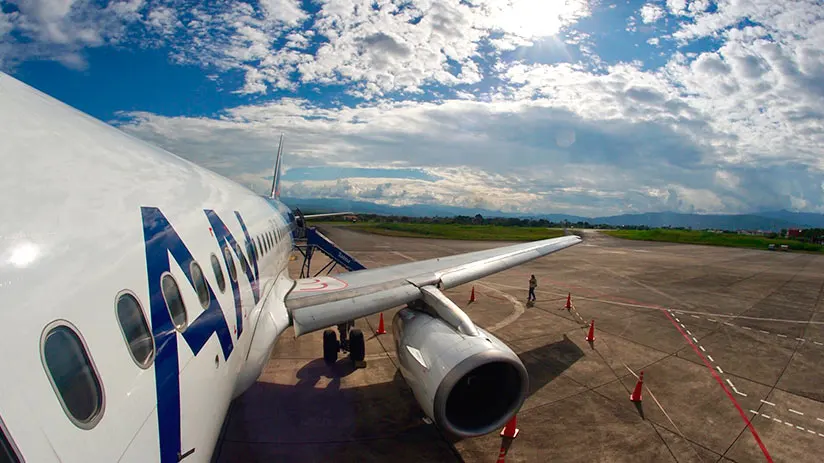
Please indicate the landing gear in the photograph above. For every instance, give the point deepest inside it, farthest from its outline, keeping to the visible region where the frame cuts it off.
(330, 347)
(351, 340)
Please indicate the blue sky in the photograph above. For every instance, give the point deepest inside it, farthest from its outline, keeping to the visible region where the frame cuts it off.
(568, 106)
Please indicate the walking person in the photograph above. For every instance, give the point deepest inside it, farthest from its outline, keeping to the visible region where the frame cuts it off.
(533, 283)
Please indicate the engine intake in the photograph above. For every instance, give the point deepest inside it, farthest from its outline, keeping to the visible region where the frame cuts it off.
(469, 385)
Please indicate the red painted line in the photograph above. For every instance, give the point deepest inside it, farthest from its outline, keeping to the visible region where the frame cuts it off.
(721, 383)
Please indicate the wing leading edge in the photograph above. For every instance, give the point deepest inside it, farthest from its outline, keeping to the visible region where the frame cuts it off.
(317, 303)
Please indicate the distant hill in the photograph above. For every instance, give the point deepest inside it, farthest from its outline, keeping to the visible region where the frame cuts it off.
(768, 220)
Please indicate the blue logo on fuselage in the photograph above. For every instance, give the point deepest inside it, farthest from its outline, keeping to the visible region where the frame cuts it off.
(162, 241)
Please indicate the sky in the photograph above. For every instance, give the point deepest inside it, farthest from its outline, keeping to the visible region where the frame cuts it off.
(545, 106)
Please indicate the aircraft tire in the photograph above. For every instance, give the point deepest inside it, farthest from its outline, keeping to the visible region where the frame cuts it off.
(357, 345)
(330, 347)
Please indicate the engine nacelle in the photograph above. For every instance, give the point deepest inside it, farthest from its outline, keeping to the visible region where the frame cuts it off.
(470, 385)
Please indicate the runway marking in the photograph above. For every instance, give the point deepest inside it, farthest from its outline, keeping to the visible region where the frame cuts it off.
(724, 388)
(682, 325)
(795, 411)
(688, 332)
(819, 419)
(799, 339)
(811, 431)
(768, 403)
(777, 420)
(764, 331)
(696, 341)
(801, 428)
(403, 255)
(782, 335)
(710, 357)
(818, 343)
(676, 319)
(695, 316)
(746, 327)
(702, 348)
(712, 320)
(518, 308)
(765, 416)
(728, 324)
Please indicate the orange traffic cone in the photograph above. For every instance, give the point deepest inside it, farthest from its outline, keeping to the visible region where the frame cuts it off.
(636, 393)
(472, 295)
(502, 456)
(381, 329)
(511, 430)
(569, 301)
(591, 335)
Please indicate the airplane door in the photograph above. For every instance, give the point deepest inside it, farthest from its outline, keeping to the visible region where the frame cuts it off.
(8, 452)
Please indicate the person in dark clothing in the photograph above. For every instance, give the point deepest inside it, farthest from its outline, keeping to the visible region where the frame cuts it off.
(533, 283)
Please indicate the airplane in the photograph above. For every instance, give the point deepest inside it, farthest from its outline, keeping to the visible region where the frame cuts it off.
(140, 294)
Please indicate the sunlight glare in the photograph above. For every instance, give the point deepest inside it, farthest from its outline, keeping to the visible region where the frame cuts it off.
(539, 18)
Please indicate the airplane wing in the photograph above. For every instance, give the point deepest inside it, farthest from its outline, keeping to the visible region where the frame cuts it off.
(321, 302)
(330, 214)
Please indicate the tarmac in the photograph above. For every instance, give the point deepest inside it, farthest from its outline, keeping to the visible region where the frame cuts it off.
(730, 342)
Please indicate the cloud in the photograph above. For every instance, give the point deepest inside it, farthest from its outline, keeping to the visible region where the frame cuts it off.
(651, 13)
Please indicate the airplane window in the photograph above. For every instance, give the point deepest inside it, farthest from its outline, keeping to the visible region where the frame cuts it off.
(250, 251)
(259, 248)
(277, 237)
(200, 284)
(269, 237)
(135, 329)
(221, 282)
(8, 451)
(243, 264)
(73, 376)
(230, 262)
(171, 293)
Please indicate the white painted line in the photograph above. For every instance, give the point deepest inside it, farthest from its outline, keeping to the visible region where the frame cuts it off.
(822, 435)
(819, 419)
(799, 427)
(702, 348)
(739, 392)
(695, 316)
(689, 332)
(719, 369)
(768, 403)
(728, 324)
(818, 343)
(679, 312)
(777, 420)
(753, 411)
(696, 341)
(765, 416)
(729, 382)
(782, 335)
(811, 431)
(676, 319)
(788, 424)
(764, 331)
(746, 327)
(795, 411)
(799, 339)
(710, 357)
(682, 325)
(712, 320)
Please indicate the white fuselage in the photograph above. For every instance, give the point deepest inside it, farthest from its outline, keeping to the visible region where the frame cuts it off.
(88, 213)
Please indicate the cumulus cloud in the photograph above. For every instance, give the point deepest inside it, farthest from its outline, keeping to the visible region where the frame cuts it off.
(651, 13)
(731, 123)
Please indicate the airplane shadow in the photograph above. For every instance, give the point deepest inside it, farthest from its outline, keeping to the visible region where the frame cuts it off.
(316, 418)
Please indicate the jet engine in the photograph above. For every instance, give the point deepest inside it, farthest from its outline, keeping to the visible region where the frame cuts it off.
(466, 380)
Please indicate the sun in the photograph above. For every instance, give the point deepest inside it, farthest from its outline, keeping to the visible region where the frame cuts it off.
(538, 18)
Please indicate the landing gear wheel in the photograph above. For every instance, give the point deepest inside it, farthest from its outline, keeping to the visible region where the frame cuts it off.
(357, 346)
(330, 347)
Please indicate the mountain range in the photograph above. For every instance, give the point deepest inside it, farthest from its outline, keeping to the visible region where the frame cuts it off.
(766, 220)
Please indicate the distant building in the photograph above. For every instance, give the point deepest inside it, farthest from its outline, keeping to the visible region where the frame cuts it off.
(350, 218)
(794, 233)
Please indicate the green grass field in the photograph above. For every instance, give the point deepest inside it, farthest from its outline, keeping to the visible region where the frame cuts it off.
(459, 232)
(713, 239)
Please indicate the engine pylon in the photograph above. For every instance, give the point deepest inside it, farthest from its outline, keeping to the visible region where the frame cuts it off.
(472, 295)
(568, 305)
